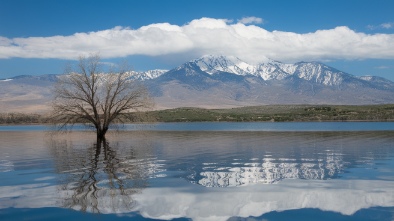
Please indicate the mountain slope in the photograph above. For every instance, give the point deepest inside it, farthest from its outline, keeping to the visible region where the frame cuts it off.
(26, 93)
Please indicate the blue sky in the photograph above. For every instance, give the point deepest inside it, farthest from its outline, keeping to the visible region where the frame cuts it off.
(42, 36)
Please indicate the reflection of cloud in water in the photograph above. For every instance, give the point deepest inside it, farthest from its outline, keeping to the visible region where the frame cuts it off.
(198, 203)
(343, 196)
(270, 171)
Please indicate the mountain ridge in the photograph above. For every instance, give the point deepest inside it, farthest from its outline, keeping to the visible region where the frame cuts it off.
(226, 81)
(271, 70)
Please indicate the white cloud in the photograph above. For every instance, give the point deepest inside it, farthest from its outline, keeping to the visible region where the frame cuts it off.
(251, 20)
(206, 36)
(387, 25)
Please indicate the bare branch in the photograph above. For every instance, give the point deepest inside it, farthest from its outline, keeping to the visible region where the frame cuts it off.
(84, 95)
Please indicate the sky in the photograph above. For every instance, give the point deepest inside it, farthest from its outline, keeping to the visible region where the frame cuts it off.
(43, 36)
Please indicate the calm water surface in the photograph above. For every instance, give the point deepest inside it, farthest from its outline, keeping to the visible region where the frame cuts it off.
(200, 171)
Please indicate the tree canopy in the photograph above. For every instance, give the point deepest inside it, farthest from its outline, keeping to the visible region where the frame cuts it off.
(85, 94)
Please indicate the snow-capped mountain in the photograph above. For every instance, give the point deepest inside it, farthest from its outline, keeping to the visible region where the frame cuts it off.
(272, 70)
(220, 81)
(226, 81)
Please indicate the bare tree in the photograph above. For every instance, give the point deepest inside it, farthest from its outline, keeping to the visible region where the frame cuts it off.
(86, 95)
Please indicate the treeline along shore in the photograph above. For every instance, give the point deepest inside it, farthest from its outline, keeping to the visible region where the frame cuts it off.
(280, 113)
(274, 113)
(22, 118)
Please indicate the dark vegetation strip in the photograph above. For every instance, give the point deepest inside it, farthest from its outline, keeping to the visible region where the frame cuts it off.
(22, 118)
(275, 113)
(279, 113)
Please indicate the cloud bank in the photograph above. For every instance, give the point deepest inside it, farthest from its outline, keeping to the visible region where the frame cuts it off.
(206, 36)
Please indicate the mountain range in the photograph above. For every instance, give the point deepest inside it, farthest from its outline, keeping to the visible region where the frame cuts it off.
(224, 82)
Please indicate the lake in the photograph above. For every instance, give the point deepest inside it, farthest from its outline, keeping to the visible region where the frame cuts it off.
(200, 171)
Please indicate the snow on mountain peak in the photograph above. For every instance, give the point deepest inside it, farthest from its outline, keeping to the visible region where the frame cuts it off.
(218, 63)
(270, 69)
(145, 75)
(6, 79)
(367, 78)
(319, 73)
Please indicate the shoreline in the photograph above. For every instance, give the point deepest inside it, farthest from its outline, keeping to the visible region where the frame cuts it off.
(266, 113)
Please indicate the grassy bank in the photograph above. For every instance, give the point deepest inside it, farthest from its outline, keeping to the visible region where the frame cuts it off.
(276, 113)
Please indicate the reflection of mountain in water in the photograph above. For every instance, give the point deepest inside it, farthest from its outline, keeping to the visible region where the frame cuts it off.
(272, 171)
(244, 158)
(103, 177)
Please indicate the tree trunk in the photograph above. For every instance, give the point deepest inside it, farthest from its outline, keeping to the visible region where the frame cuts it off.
(101, 133)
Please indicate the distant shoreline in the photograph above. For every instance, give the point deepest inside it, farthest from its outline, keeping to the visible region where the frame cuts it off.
(280, 113)
(266, 113)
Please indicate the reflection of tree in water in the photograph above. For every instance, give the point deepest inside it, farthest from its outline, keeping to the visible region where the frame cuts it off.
(98, 178)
